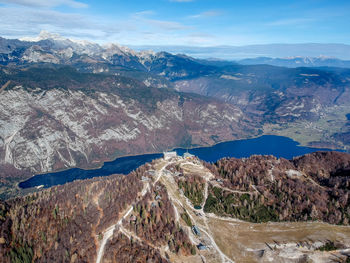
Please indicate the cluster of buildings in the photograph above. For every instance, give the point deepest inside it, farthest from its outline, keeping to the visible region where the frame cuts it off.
(187, 156)
(173, 154)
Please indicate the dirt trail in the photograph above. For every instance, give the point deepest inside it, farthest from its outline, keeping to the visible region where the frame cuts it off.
(230, 190)
(107, 234)
(100, 210)
(186, 204)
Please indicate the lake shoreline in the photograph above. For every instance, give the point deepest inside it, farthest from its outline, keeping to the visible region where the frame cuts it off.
(101, 163)
(276, 145)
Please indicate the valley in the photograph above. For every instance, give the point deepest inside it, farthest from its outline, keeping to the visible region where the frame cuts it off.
(72, 104)
(318, 133)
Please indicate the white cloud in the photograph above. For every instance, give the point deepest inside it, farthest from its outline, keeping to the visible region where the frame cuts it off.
(167, 25)
(19, 22)
(290, 22)
(210, 13)
(46, 3)
(140, 28)
(143, 19)
(144, 13)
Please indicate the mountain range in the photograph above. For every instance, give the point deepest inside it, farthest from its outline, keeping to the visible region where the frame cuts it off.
(68, 103)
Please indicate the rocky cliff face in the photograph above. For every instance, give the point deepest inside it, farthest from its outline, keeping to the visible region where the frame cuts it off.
(48, 130)
(272, 94)
(52, 124)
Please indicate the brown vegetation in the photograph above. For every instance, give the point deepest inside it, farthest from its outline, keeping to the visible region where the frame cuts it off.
(122, 249)
(63, 222)
(312, 187)
(155, 222)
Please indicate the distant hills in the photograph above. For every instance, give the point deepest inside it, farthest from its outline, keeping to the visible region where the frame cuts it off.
(294, 62)
(340, 51)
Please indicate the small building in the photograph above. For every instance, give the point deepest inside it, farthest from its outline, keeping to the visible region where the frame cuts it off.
(169, 155)
(196, 230)
(187, 155)
(198, 214)
(167, 172)
(132, 218)
(200, 246)
(151, 172)
(177, 174)
(144, 178)
(158, 197)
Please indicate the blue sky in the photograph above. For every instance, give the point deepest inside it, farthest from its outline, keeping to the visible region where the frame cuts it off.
(181, 22)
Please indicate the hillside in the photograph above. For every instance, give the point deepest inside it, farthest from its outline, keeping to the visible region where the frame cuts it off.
(306, 104)
(312, 187)
(54, 118)
(147, 216)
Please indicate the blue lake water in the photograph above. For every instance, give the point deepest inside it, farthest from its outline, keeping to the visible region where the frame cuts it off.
(265, 145)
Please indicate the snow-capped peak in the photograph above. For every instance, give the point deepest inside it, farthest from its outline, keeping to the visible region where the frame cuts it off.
(43, 35)
(113, 48)
(107, 51)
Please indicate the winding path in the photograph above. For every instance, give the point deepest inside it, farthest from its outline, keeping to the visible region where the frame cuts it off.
(108, 234)
(109, 231)
(207, 176)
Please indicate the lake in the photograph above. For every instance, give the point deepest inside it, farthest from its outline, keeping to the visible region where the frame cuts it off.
(265, 145)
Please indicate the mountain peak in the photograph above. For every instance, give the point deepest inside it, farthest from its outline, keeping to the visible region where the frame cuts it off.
(44, 35)
(47, 35)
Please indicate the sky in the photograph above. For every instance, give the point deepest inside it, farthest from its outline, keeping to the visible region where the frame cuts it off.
(181, 22)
